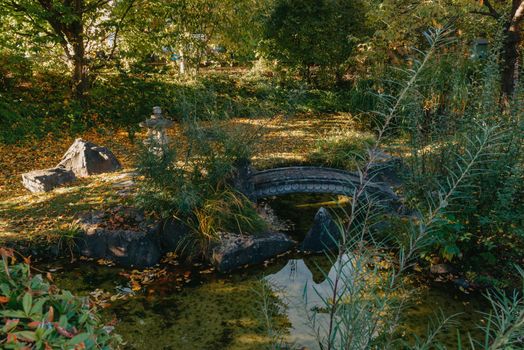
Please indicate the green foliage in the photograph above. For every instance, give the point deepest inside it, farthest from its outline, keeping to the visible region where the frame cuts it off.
(195, 31)
(484, 226)
(65, 32)
(196, 188)
(364, 303)
(315, 35)
(32, 104)
(37, 315)
(43, 104)
(505, 320)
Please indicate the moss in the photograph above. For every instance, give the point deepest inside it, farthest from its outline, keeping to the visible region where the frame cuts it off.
(207, 312)
(217, 315)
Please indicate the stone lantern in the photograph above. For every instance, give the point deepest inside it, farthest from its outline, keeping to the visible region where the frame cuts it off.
(157, 139)
(480, 49)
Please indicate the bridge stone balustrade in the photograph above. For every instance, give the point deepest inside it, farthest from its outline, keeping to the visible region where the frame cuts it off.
(308, 179)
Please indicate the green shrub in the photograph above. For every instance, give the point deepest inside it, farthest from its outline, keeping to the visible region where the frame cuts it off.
(37, 315)
(316, 37)
(194, 186)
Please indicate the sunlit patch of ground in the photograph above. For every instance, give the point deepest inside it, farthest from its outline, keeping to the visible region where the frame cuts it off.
(286, 141)
(46, 153)
(23, 216)
(46, 216)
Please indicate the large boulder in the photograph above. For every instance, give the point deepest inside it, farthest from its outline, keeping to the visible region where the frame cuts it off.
(387, 170)
(241, 179)
(137, 246)
(85, 158)
(174, 236)
(47, 179)
(323, 235)
(233, 251)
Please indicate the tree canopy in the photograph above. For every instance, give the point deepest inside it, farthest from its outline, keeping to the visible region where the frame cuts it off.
(313, 33)
(314, 37)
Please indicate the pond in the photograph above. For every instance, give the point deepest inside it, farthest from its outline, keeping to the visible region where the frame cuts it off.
(192, 307)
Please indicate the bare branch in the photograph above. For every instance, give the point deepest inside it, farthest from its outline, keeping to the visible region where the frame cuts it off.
(483, 13)
(491, 9)
(119, 26)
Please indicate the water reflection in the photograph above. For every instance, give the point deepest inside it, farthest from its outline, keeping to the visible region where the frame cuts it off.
(223, 312)
(302, 286)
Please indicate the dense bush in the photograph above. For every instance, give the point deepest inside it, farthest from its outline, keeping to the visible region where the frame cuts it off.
(484, 226)
(315, 37)
(37, 315)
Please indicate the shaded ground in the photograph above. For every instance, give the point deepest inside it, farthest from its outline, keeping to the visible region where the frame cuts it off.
(48, 216)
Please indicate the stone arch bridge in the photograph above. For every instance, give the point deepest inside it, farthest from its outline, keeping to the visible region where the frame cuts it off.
(309, 179)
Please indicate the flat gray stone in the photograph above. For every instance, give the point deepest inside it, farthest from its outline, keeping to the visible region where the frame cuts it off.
(127, 247)
(85, 158)
(47, 179)
(234, 251)
(323, 235)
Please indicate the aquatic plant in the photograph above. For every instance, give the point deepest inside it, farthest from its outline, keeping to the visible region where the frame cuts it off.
(270, 312)
(504, 327)
(37, 315)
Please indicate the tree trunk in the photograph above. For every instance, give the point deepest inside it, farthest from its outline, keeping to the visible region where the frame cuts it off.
(511, 43)
(511, 57)
(80, 77)
(76, 37)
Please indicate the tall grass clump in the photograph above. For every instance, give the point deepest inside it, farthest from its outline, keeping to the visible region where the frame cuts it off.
(192, 182)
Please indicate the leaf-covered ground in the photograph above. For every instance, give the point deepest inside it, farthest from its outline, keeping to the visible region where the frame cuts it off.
(34, 218)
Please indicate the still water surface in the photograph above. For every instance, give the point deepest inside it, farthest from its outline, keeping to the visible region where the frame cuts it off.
(191, 307)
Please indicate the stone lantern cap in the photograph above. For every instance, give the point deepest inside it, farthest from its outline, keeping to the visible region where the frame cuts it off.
(156, 121)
